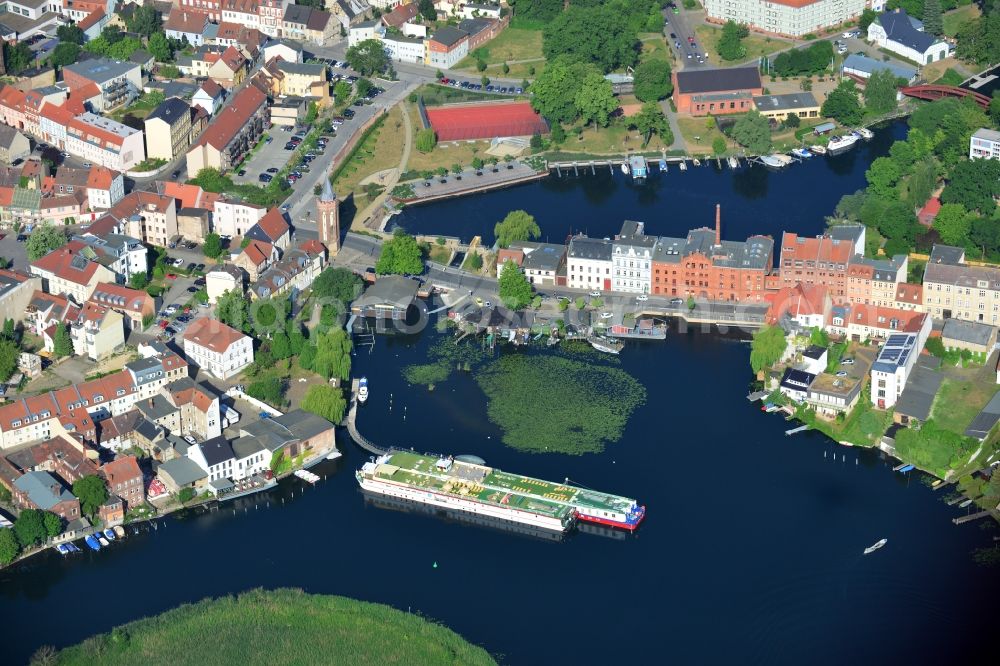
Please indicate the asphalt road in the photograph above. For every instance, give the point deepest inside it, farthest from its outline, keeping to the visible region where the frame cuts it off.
(677, 24)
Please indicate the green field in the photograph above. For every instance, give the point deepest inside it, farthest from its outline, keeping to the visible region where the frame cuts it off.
(958, 402)
(954, 19)
(277, 627)
(511, 44)
(756, 46)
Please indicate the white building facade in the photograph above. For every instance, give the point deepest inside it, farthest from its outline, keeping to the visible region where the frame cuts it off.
(984, 145)
(785, 17)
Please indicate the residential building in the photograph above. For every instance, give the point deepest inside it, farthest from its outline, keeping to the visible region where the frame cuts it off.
(198, 409)
(795, 384)
(102, 141)
(217, 348)
(124, 255)
(822, 260)
(105, 187)
(13, 145)
(303, 80)
(446, 47)
(180, 473)
(860, 67)
(970, 336)
(117, 83)
(193, 223)
(861, 322)
(711, 91)
(224, 278)
(272, 228)
(830, 395)
(632, 257)
(97, 332)
(481, 30)
(229, 69)
(588, 263)
(209, 96)
(16, 292)
(309, 24)
(45, 311)
(65, 457)
(984, 145)
(215, 457)
(405, 49)
(40, 490)
(473, 10)
(232, 133)
(779, 107)
(184, 24)
(255, 258)
(788, 18)
(400, 14)
(909, 297)
(136, 306)
(235, 218)
(814, 359)
(804, 305)
(875, 281)
(295, 270)
(67, 271)
(544, 264)
(388, 298)
(191, 196)
(285, 49)
(124, 479)
(892, 368)
(901, 34)
(168, 129)
(349, 12)
(364, 31)
(955, 290)
(147, 216)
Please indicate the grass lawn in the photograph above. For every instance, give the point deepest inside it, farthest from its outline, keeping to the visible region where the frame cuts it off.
(954, 19)
(289, 626)
(654, 49)
(958, 402)
(862, 427)
(614, 139)
(439, 254)
(381, 150)
(445, 153)
(511, 44)
(698, 136)
(950, 78)
(708, 37)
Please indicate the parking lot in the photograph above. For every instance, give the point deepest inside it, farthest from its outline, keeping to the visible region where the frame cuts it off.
(270, 155)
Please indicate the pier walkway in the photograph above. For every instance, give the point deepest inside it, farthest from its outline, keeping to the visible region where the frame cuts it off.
(352, 426)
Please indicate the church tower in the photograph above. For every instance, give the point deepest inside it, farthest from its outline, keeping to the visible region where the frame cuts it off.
(329, 218)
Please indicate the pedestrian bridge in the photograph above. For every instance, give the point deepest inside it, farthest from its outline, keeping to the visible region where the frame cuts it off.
(933, 92)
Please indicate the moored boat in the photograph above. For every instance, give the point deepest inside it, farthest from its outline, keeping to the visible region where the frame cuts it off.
(801, 152)
(734, 163)
(663, 166)
(363, 389)
(119, 531)
(696, 162)
(104, 542)
(92, 543)
(109, 534)
(624, 168)
(604, 345)
(462, 485)
(839, 144)
(63, 550)
(866, 133)
(875, 546)
(818, 149)
(72, 547)
(683, 165)
(776, 160)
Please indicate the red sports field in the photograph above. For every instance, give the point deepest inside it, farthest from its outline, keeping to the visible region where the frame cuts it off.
(485, 120)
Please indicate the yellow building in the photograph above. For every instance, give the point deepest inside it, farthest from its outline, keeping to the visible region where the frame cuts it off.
(168, 129)
(779, 107)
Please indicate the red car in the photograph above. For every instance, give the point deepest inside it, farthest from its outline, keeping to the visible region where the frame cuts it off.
(171, 276)
(163, 323)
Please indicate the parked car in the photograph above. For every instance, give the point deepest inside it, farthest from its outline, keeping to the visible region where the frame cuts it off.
(190, 440)
(272, 170)
(171, 276)
(265, 178)
(642, 298)
(842, 373)
(595, 294)
(607, 315)
(193, 290)
(241, 172)
(847, 361)
(677, 301)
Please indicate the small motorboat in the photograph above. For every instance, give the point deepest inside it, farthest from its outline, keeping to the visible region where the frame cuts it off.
(696, 162)
(363, 390)
(663, 166)
(818, 149)
(776, 160)
(119, 531)
(92, 543)
(875, 546)
(866, 134)
(72, 547)
(683, 165)
(605, 345)
(839, 144)
(734, 163)
(63, 550)
(625, 168)
(801, 152)
(104, 542)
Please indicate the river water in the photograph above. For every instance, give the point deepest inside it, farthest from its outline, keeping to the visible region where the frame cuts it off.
(751, 552)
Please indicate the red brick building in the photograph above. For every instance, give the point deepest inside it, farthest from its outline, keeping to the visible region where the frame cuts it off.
(124, 479)
(822, 260)
(705, 266)
(713, 92)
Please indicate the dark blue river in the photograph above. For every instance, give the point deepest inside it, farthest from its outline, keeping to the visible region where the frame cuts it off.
(755, 200)
(751, 553)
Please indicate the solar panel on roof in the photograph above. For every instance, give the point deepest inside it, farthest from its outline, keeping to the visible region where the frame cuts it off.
(896, 340)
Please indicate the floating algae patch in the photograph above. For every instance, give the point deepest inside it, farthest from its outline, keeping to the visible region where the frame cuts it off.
(446, 356)
(550, 404)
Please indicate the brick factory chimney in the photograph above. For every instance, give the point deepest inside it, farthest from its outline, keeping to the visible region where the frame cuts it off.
(718, 224)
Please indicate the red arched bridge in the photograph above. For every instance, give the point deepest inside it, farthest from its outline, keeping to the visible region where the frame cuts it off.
(933, 92)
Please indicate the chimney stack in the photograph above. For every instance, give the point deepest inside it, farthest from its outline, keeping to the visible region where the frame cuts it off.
(718, 224)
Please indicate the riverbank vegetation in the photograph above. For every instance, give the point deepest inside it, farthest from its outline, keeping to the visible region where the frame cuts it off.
(550, 404)
(259, 627)
(767, 347)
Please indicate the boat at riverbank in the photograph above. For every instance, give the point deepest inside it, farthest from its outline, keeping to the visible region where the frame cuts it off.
(865, 133)
(840, 144)
(605, 345)
(363, 390)
(802, 152)
(465, 486)
(818, 149)
(776, 161)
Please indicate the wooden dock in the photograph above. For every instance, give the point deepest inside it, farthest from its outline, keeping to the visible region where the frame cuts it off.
(801, 428)
(352, 426)
(970, 517)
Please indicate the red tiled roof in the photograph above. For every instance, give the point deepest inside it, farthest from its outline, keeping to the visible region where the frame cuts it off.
(815, 249)
(907, 321)
(909, 293)
(212, 334)
(182, 21)
(59, 262)
(121, 470)
(101, 178)
(273, 224)
(312, 246)
(106, 224)
(211, 87)
(258, 252)
(91, 19)
(233, 118)
(233, 59)
(132, 300)
(135, 201)
(400, 15)
(802, 299)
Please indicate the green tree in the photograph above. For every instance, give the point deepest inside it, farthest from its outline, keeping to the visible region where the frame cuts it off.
(43, 240)
(233, 309)
(730, 45)
(400, 255)
(66, 53)
(558, 134)
(160, 48)
(994, 109)
(30, 527)
(556, 88)
(953, 224)
(933, 22)
(515, 290)
(363, 86)
(921, 183)
(517, 226)
(842, 104)
(880, 92)
(281, 347)
(882, 177)
(536, 141)
(91, 492)
(145, 20)
(212, 247)
(767, 347)
(599, 35)
(427, 10)
(367, 57)
(718, 145)
(341, 92)
(649, 121)
(652, 80)
(9, 547)
(70, 32)
(53, 524)
(753, 132)
(817, 336)
(867, 16)
(899, 223)
(307, 357)
(333, 355)
(269, 389)
(62, 343)
(595, 100)
(17, 56)
(426, 140)
(337, 283)
(975, 184)
(326, 402)
(9, 352)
